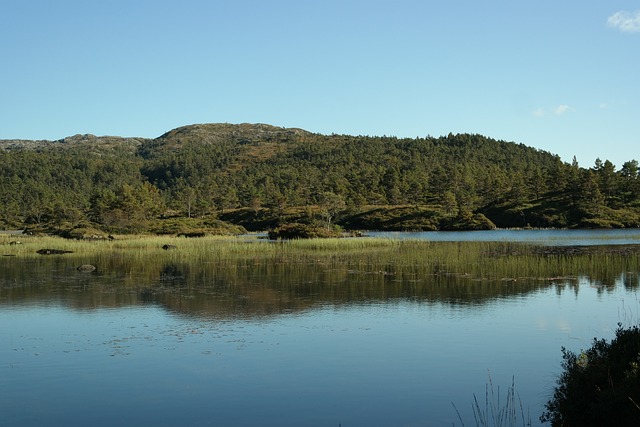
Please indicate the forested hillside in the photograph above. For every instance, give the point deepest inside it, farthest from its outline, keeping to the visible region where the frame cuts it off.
(262, 176)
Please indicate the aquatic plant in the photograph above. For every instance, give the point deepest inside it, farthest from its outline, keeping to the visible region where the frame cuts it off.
(511, 413)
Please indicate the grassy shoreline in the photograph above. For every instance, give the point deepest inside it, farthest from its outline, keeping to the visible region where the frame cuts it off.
(506, 261)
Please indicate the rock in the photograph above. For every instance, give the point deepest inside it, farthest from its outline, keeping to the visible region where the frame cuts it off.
(53, 251)
(86, 268)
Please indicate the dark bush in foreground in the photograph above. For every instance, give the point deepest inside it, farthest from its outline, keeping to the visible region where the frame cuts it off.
(600, 386)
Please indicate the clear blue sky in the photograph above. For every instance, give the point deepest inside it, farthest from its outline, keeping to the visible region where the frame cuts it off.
(562, 76)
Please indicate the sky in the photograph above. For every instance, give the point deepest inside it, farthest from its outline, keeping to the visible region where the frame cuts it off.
(560, 76)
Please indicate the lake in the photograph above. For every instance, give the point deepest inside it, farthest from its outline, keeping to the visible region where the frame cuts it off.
(541, 237)
(385, 336)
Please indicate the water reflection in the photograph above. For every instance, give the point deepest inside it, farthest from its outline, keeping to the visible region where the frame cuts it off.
(255, 287)
(374, 363)
(543, 237)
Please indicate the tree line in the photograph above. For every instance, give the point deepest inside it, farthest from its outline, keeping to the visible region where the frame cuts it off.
(214, 170)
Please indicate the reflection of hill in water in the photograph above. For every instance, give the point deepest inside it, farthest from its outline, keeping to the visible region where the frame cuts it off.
(250, 287)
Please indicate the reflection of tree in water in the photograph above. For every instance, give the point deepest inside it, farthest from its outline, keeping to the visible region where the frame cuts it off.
(172, 275)
(260, 292)
(170, 279)
(146, 296)
(631, 280)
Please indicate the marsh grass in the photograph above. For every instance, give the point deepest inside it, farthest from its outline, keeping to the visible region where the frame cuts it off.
(509, 263)
(252, 276)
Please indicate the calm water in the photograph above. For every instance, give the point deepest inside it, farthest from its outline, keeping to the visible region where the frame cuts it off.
(317, 346)
(542, 237)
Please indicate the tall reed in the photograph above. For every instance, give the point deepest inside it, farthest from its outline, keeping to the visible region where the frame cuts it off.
(511, 413)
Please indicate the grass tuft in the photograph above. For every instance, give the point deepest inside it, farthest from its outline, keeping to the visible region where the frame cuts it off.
(511, 413)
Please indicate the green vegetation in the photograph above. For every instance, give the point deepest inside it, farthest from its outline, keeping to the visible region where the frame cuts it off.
(601, 385)
(303, 231)
(395, 266)
(263, 177)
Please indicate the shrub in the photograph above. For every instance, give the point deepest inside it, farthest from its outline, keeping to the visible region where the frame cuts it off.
(83, 233)
(193, 227)
(601, 385)
(303, 231)
(467, 221)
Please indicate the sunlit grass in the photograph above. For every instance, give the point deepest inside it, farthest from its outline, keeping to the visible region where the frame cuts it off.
(190, 247)
(469, 260)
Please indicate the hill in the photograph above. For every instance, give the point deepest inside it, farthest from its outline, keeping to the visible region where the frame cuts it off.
(262, 176)
(87, 141)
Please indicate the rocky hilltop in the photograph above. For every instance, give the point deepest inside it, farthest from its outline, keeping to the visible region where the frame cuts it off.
(213, 133)
(251, 137)
(85, 140)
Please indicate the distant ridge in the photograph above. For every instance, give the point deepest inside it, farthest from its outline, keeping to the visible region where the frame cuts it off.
(243, 130)
(204, 133)
(72, 141)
